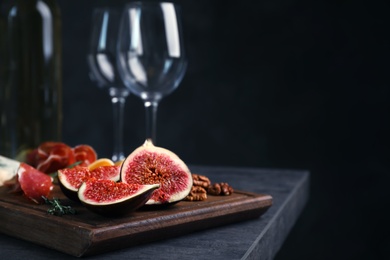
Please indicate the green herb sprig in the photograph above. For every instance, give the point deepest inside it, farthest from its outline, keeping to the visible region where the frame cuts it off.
(57, 208)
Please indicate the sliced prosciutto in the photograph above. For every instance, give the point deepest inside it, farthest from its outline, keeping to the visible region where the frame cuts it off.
(52, 156)
(34, 183)
(85, 154)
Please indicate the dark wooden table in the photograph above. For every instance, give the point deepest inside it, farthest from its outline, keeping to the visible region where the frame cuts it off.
(254, 239)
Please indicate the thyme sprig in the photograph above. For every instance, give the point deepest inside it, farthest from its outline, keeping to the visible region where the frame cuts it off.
(57, 208)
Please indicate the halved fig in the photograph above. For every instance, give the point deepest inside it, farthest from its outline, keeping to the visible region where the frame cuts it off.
(70, 179)
(150, 164)
(110, 198)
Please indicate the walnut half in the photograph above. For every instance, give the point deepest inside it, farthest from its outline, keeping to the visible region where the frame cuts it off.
(201, 180)
(202, 186)
(222, 188)
(197, 194)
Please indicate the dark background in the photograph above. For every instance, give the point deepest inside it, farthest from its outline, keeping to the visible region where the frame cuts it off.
(276, 84)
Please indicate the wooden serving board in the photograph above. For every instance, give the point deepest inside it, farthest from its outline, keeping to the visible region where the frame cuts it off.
(87, 233)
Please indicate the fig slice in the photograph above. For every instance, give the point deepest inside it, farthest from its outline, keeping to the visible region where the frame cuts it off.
(110, 198)
(70, 179)
(149, 164)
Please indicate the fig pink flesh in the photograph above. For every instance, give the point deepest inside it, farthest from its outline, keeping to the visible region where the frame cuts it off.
(76, 176)
(109, 191)
(151, 168)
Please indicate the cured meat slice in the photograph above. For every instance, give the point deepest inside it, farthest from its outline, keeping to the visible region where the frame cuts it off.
(52, 156)
(34, 183)
(85, 154)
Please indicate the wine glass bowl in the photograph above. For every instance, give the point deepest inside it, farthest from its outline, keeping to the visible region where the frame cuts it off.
(151, 55)
(102, 62)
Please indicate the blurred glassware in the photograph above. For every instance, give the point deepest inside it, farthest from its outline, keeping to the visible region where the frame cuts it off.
(31, 90)
(151, 55)
(103, 68)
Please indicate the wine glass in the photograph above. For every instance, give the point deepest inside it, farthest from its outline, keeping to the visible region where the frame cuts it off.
(151, 56)
(103, 68)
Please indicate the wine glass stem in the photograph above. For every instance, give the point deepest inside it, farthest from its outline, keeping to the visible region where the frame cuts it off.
(151, 118)
(118, 104)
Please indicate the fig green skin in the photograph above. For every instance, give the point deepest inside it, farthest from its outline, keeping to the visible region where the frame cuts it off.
(118, 209)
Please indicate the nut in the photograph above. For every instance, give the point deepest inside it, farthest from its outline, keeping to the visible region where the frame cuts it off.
(222, 188)
(202, 186)
(214, 189)
(197, 194)
(200, 180)
(226, 189)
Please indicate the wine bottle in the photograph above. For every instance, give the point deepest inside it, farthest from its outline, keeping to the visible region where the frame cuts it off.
(31, 94)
